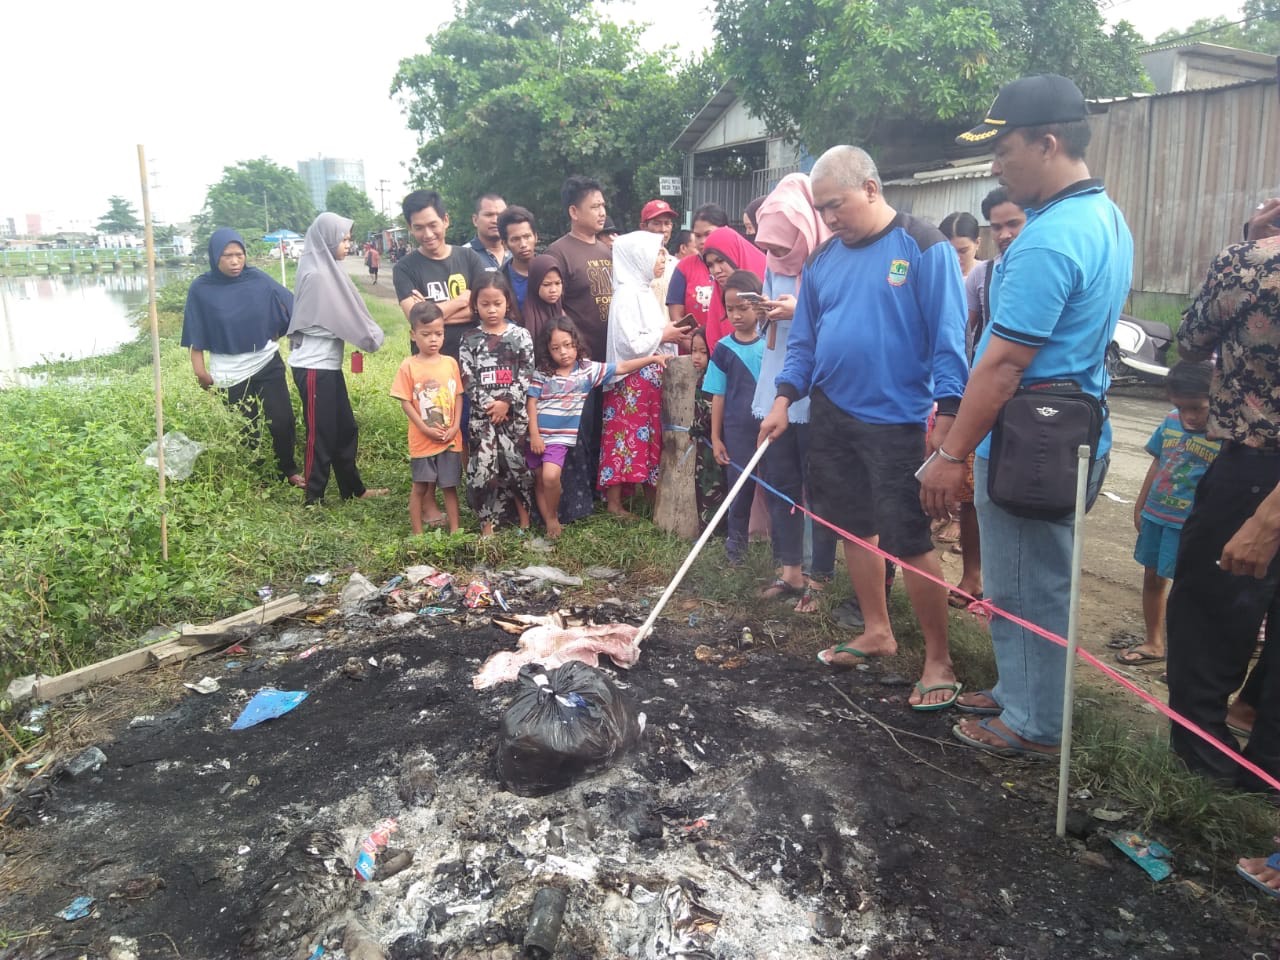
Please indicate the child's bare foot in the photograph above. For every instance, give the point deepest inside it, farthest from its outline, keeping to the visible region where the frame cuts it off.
(296, 480)
(433, 521)
(374, 492)
(554, 529)
(486, 529)
(622, 513)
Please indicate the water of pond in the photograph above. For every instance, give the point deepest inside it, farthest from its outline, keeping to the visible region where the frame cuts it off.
(67, 317)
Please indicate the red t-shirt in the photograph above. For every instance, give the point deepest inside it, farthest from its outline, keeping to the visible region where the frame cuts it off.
(691, 286)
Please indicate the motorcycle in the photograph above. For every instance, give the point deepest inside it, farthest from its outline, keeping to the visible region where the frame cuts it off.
(1139, 349)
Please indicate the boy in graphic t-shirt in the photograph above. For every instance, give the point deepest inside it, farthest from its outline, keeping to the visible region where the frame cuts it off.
(731, 380)
(429, 388)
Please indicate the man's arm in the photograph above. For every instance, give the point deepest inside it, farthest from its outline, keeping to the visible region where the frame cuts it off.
(1253, 547)
(1205, 322)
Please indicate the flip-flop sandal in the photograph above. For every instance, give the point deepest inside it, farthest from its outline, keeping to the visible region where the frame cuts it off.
(1243, 734)
(1010, 751)
(924, 691)
(840, 648)
(957, 602)
(1132, 658)
(980, 711)
(780, 589)
(1273, 863)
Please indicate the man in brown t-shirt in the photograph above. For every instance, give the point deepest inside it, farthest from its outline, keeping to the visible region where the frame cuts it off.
(586, 264)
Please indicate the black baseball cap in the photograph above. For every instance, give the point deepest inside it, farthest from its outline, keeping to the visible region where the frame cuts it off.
(1029, 102)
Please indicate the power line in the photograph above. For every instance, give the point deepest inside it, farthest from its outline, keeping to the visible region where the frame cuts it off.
(1208, 30)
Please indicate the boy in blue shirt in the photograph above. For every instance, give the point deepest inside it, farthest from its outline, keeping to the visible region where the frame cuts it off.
(731, 382)
(1181, 454)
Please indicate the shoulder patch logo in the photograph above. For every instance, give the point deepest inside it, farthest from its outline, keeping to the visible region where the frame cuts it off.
(898, 273)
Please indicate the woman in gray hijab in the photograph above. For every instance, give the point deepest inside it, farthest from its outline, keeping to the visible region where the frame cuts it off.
(326, 312)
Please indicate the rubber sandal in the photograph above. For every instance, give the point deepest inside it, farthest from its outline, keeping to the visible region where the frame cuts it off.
(1273, 863)
(780, 589)
(1133, 658)
(840, 648)
(957, 602)
(1243, 734)
(924, 691)
(1012, 749)
(980, 711)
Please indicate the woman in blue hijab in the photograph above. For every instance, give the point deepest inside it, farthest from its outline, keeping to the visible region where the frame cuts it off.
(237, 313)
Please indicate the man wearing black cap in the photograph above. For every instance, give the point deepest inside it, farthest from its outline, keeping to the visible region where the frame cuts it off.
(1055, 297)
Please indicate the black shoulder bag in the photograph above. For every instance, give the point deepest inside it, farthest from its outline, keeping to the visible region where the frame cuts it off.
(1032, 467)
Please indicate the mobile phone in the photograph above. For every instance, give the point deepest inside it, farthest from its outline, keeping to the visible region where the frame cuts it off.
(687, 322)
(750, 297)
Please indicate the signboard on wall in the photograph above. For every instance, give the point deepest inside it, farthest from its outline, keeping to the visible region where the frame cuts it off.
(669, 186)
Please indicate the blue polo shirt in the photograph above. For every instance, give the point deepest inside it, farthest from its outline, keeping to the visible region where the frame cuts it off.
(1060, 287)
(879, 326)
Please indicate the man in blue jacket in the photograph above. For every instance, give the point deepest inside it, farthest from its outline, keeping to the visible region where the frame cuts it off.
(877, 340)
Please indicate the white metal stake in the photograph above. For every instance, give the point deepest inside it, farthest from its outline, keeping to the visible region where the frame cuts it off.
(1073, 637)
(702, 540)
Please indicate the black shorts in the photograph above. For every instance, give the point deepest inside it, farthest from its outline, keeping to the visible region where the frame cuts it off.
(862, 477)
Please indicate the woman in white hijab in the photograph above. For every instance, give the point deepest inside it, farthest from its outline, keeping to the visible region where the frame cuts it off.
(326, 312)
(631, 438)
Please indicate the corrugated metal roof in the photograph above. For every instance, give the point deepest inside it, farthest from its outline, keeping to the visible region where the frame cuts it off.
(706, 118)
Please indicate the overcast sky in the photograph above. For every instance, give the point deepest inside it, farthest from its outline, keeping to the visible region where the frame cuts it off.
(203, 87)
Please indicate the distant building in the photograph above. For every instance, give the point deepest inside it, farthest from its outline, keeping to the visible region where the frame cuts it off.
(34, 225)
(8, 228)
(1201, 66)
(323, 172)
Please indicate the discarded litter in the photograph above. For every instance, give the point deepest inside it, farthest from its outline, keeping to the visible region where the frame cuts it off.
(550, 575)
(180, 453)
(1108, 816)
(1115, 497)
(478, 595)
(318, 580)
(367, 849)
(87, 761)
(1151, 855)
(32, 724)
(205, 685)
(313, 649)
(693, 619)
(563, 725)
(602, 573)
(267, 704)
(545, 920)
(357, 590)
(265, 592)
(391, 584)
(502, 601)
(435, 611)
(77, 908)
(552, 646)
(419, 572)
(747, 639)
(401, 619)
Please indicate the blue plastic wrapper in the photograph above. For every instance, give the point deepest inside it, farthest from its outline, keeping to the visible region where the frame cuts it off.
(267, 704)
(1151, 855)
(77, 908)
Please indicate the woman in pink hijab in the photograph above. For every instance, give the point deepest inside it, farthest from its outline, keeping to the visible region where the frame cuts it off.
(788, 229)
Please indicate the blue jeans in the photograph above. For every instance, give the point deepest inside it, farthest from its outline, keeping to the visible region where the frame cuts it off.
(1026, 570)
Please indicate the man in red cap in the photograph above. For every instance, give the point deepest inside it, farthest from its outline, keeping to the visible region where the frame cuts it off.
(658, 216)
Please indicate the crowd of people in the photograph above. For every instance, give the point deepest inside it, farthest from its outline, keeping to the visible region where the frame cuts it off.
(874, 353)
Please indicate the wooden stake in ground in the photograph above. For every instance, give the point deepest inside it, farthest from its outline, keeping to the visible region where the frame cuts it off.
(155, 350)
(676, 507)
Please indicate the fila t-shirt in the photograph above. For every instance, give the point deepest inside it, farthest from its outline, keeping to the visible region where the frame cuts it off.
(440, 280)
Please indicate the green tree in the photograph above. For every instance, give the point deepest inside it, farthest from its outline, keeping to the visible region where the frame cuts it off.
(255, 197)
(347, 201)
(1255, 27)
(879, 72)
(513, 96)
(121, 218)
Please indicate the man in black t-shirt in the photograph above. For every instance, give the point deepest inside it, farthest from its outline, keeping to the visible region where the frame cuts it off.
(437, 271)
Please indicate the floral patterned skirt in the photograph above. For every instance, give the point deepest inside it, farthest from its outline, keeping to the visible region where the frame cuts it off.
(631, 441)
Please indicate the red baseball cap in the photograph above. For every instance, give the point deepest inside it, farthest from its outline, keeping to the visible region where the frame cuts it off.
(655, 209)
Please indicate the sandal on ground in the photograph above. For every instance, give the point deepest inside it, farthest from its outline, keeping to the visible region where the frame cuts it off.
(844, 648)
(957, 602)
(977, 710)
(373, 492)
(808, 602)
(780, 589)
(924, 691)
(1011, 748)
(1131, 658)
(1273, 863)
(434, 522)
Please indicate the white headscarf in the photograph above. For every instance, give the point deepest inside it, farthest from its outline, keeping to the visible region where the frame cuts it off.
(325, 297)
(636, 322)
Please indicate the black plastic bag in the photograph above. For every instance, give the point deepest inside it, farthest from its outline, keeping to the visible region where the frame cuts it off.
(562, 725)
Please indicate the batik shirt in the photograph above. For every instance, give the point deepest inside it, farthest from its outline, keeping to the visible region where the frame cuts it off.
(1237, 313)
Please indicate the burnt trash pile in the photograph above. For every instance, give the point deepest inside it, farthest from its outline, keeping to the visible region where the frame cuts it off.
(701, 795)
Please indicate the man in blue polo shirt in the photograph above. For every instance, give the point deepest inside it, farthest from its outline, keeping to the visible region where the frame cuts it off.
(877, 339)
(1055, 297)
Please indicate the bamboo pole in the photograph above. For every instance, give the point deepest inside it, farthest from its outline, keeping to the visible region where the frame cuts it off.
(155, 350)
(1073, 639)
